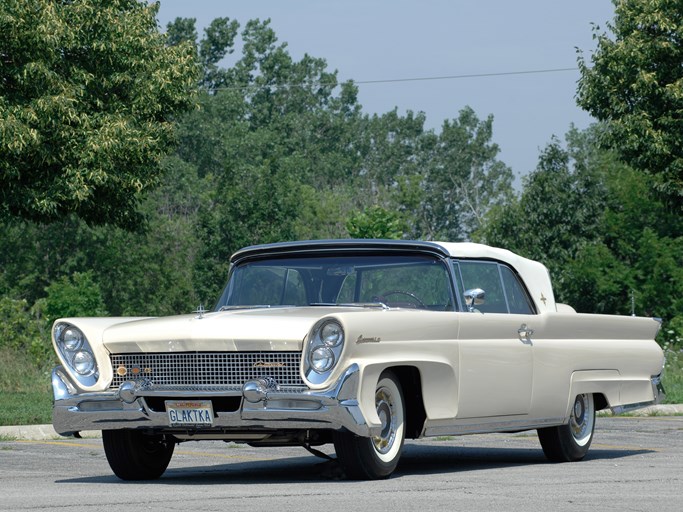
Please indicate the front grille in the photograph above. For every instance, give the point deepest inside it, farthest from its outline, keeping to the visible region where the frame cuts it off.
(198, 370)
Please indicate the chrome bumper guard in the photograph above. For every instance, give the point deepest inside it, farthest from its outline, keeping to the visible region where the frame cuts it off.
(658, 388)
(264, 407)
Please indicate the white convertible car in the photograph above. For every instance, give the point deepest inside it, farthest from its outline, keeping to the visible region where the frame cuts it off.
(359, 343)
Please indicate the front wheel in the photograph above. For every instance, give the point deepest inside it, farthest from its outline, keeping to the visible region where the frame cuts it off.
(570, 442)
(376, 457)
(134, 455)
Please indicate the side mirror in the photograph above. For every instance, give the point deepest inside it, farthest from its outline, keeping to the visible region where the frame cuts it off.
(474, 297)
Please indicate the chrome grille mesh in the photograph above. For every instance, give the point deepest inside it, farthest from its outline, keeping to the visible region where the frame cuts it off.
(207, 369)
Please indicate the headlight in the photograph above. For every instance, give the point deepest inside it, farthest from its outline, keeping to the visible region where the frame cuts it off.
(324, 350)
(331, 334)
(322, 359)
(84, 363)
(72, 338)
(76, 352)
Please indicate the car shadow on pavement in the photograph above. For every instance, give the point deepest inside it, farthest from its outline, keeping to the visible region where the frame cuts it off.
(433, 458)
(417, 459)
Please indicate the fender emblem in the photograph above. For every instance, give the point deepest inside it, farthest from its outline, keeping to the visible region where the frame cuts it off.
(362, 339)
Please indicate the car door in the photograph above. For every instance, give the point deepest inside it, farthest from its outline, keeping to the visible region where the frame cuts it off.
(495, 343)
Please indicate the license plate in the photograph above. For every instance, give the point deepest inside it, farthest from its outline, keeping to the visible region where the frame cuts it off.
(189, 413)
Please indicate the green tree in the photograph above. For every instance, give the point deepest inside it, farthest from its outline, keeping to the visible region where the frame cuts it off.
(77, 295)
(375, 222)
(442, 183)
(280, 151)
(465, 178)
(88, 94)
(23, 330)
(635, 84)
(273, 147)
(217, 42)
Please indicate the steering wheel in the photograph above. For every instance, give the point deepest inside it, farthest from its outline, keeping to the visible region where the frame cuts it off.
(417, 300)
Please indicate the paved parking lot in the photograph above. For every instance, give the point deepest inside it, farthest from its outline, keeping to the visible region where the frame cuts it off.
(634, 464)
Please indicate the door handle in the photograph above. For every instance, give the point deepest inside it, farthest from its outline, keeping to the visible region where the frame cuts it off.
(525, 333)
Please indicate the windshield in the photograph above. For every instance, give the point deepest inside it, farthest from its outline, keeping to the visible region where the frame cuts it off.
(393, 280)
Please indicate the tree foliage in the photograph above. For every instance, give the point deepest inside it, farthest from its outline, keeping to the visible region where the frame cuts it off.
(75, 295)
(465, 178)
(277, 150)
(635, 84)
(375, 222)
(88, 94)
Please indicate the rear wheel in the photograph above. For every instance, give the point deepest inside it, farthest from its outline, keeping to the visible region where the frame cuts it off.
(376, 457)
(134, 455)
(570, 442)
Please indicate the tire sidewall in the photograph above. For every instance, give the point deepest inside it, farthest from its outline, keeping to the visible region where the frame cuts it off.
(134, 456)
(577, 449)
(389, 460)
(359, 456)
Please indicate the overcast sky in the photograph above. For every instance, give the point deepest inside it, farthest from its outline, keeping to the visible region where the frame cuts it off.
(397, 39)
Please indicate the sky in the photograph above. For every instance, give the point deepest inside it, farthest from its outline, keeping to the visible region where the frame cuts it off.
(367, 40)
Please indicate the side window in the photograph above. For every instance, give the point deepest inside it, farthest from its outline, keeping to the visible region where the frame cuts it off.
(518, 299)
(504, 291)
(485, 275)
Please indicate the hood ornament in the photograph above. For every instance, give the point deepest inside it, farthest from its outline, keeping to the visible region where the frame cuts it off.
(200, 311)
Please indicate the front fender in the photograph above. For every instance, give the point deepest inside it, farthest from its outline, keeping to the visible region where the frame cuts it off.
(438, 381)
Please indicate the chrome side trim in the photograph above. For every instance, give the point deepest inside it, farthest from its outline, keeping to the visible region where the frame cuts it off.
(455, 429)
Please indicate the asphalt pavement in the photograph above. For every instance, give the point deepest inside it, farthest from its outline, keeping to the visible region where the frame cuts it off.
(634, 464)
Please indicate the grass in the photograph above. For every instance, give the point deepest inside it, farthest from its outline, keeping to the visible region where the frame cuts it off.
(672, 380)
(25, 408)
(25, 390)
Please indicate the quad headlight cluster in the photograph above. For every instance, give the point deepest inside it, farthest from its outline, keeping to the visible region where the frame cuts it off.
(324, 349)
(76, 352)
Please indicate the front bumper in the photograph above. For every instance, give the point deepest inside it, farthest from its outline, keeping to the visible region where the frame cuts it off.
(263, 407)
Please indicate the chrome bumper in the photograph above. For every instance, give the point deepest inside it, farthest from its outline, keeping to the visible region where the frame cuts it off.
(658, 388)
(263, 408)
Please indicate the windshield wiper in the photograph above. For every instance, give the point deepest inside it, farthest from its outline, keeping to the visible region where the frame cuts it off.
(245, 306)
(381, 305)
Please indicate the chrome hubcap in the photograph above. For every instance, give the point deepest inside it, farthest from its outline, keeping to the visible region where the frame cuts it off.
(581, 421)
(385, 411)
(579, 411)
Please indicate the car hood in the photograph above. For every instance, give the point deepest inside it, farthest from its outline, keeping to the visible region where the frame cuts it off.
(277, 329)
